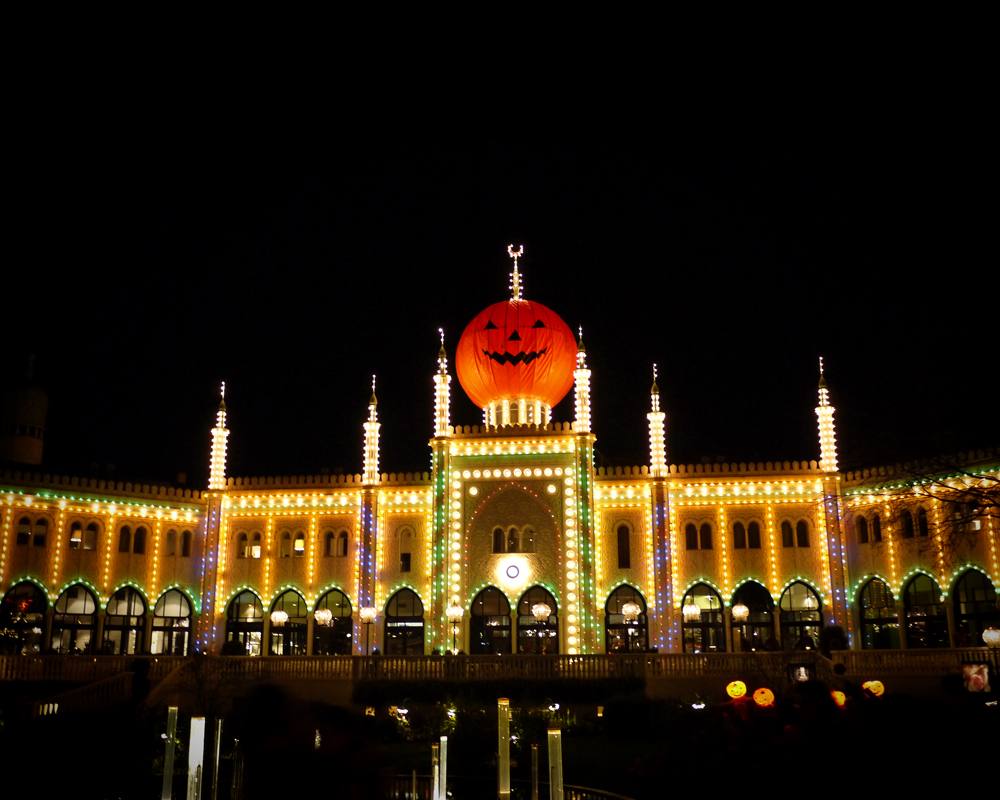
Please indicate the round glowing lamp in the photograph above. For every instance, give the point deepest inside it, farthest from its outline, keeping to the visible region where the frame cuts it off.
(991, 637)
(324, 616)
(368, 615)
(736, 689)
(763, 697)
(455, 612)
(279, 618)
(810, 603)
(691, 612)
(541, 612)
(877, 688)
(631, 611)
(740, 612)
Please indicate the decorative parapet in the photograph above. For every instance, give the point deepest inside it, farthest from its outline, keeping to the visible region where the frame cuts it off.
(324, 481)
(704, 470)
(75, 486)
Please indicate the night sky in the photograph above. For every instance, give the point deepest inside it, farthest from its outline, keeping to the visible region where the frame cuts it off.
(169, 239)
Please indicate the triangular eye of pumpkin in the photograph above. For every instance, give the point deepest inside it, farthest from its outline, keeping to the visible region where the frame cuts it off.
(490, 326)
(514, 337)
(538, 324)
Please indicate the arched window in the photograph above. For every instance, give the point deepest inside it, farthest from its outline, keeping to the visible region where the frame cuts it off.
(171, 546)
(405, 541)
(489, 624)
(513, 540)
(876, 528)
(624, 551)
(299, 547)
(242, 546)
(625, 634)
(288, 636)
(90, 537)
(171, 624)
(139, 542)
(75, 621)
(758, 631)
(787, 537)
(753, 536)
(906, 518)
(975, 608)
(404, 624)
(342, 544)
(926, 620)
(706, 536)
(691, 536)
(23, 530)
(335, 636)
(245, 624)
(286, 545)
(739, 536)
(498, 540)
(125, 622)
(707, 632)
(801, 617)
(539, 635)
(922, 522)
(22, 618)
(527, 540)
(125, 539)
(255, 546)
(41, 529)
(801, 534)
(186, 544)
(75, 536)
(879, 624)
(861, 526)
(329, 544)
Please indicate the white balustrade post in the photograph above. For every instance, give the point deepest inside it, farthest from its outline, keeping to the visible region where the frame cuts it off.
(503, 748)
(443, 762)
(196, 757)
(434, 772)
(168, 756)
(555, 764)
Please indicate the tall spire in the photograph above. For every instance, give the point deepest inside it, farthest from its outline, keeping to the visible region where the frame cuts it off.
(371, 476)
(515, 276)
(217, 465)
(827, 431)
(657, 438)
(442, 392)
(582, 384)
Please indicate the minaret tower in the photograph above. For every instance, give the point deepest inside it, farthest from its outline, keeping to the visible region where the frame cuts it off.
(827, 433)
(369, 522)
(442, 392)
(657, 446)
(371, 441)
(582, 384)
(213, 551)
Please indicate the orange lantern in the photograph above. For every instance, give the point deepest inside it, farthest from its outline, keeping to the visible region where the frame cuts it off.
(516, 349)
(875, 687)
(763, 697)
(736, 689)
(839, 698)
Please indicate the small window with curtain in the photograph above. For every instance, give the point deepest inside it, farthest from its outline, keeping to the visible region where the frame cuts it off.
(24, 531)
(404, 562)
(801, 534)
(299, 547)
(75, 536)
(139, 542)
(739, 536)
(124, 539)
(171, 548)
(624, 552)
(876, 529)
(41, 529)
(186, 544)
(90, 537)
(787, 535)
(255, 546)
(342, 544)
(861, 526)
(691, 536)
(753, 536)
(706, 536)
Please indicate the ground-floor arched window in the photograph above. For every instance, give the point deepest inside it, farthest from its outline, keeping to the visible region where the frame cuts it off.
(626, 628)
(975, 600)
(537, 631)
(125, 624)
(22, 618)
(245, 624)
(404, 624)
(879, 623)
(756, 632)
(489, 624)
(801, 617)
(75, 621)
(926, 620)
(704, 626)
(333, 628)
(171, 624)
(288, 625)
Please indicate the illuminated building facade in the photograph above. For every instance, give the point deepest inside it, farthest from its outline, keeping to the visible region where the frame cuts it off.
(513, 543)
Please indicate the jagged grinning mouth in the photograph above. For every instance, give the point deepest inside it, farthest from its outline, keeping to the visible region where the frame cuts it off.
(510, 358)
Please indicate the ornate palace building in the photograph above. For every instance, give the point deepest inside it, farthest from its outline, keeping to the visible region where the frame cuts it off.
(513, 542)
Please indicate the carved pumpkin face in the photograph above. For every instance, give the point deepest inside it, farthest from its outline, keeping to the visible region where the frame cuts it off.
(736, 689)
(763, 697)
(516, 349)
(875, 687)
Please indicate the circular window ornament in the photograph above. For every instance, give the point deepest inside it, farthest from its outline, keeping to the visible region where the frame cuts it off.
(513, 571)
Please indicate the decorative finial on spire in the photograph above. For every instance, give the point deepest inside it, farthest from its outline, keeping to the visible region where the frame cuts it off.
(822, 379)
(655, 389)
(222, 403)
(579, 342)
(515, 277)
(373, 401)
(224, 386)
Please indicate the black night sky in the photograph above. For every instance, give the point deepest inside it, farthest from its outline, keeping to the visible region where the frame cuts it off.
(177, 236)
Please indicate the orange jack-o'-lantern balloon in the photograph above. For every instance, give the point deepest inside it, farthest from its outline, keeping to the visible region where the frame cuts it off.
(763, 697)
(875, 687)
(736, 689)
(838, 697)
(518, 349)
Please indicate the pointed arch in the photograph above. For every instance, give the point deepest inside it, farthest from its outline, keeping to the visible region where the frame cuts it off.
(124, 625)
(171, 623)
(975, 599)
(801, 612)
(333, 637)
(926, 618)
(626, 632)
(537, 634)
(489, 623)
(705, 633)
(757, 631)
(22, 618)
(75, 620)
(244, 623)
(289, 622)
(404, 624)
(877, 609)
